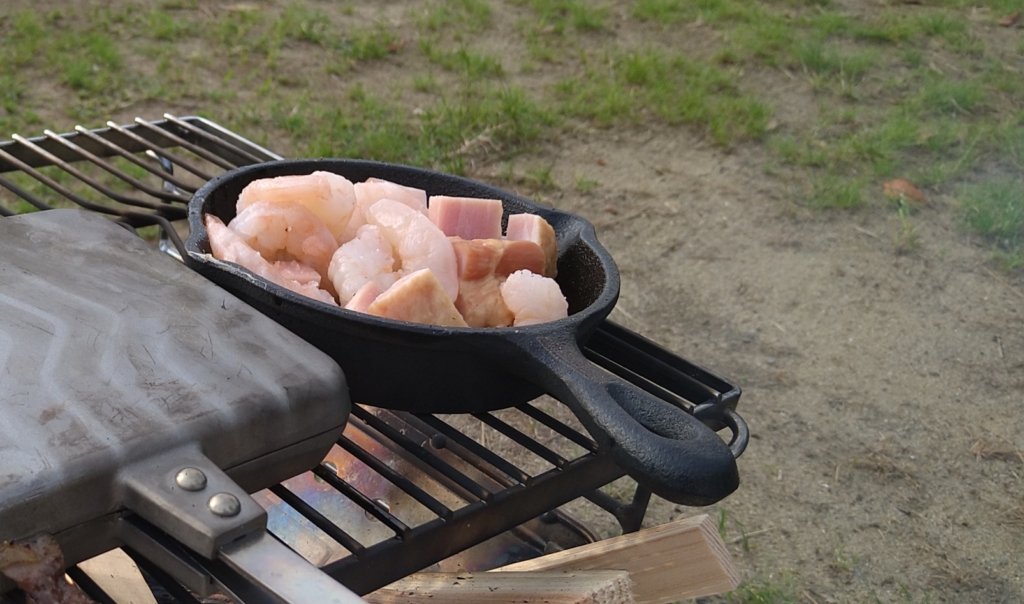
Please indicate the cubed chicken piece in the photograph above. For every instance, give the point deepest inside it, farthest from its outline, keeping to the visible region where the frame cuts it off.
(418, 298)
(466, 217)
(364, 297)
(530, 227)
(483, 265)
(533, 298)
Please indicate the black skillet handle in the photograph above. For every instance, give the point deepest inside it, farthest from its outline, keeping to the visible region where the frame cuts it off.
(661, 446)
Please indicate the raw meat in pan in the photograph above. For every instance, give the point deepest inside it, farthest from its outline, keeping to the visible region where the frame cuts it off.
(418, 298)
(366, 258)
(286, 231)
(374, 190)
(417, 243)
(483, 266)
(530, 227)
(331, 197)
(230, 247)
(466, 217)
(533, 298)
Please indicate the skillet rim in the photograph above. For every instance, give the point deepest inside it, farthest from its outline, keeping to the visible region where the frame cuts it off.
(584, 232)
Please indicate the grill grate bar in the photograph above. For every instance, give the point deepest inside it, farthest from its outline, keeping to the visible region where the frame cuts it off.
(138, 184)
(195, 131)
(558, 427)
(121, 151)
(89, 586)
(423, 454)
(319, 520)
(522, 440)
(393, 523)
(176, 211)
(32, 199)
(477, 450)
(46, 180)
(403, 483)
(160, 151)
(177, 140)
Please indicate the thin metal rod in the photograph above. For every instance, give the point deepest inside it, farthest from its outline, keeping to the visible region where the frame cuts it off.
(46, 180)
(32, 199)
(393, 523)
(558, 427)
(155, 170)
(89, 586)
(92, 182)
(213, 139)
(521, 439)
(478, 453)
(112, 169)
(421, 453)
(176, 159)
(203, 153)
(319, 520)
(395, 478)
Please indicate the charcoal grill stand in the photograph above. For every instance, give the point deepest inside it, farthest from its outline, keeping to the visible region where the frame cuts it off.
(495, 497)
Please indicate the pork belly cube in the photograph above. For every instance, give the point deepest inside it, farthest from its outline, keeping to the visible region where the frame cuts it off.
(466, 217)
(483, 265)
(530, 227)
(419, 298)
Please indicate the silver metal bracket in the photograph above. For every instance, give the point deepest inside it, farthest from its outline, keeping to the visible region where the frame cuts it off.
(162, 490)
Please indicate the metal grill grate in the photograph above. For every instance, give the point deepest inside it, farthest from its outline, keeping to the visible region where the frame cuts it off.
(399, 492)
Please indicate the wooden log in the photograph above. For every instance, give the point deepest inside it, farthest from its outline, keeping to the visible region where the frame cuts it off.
(679, 560)
(549, 587)
(119, 577)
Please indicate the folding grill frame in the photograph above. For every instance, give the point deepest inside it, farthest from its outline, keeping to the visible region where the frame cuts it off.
(498, 496)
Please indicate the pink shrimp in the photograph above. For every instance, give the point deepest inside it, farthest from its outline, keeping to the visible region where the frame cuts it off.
(533, 299)
(331, 197)
(286, 231)
(227, 245)
(417, 242)
(364, 259)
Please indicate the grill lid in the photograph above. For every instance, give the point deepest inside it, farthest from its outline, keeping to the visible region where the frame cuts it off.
(113, 353)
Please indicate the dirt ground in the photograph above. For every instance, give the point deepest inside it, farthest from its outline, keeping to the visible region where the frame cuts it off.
(883, 389)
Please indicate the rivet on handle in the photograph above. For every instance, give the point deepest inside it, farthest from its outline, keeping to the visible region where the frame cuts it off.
(224, 505)
(190, 479)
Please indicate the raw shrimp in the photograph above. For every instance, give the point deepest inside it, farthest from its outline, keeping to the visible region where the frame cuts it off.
(286, 231)
(374, 190)
(330, 196)
(533, 298)
(366, 258)
(417, 242)
(227, 245)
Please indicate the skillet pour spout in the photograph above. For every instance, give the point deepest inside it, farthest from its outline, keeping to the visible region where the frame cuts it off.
(430, 369)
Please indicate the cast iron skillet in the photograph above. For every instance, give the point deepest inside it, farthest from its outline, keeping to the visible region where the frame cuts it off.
(424, 368)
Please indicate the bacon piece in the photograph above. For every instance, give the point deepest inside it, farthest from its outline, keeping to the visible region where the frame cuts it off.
(483, 266)
(419, 298)
(530, 227)
(36, 565)
(466, 217)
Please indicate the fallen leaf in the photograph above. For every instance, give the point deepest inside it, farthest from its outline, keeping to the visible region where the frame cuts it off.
(903, 189)
(1010, 19)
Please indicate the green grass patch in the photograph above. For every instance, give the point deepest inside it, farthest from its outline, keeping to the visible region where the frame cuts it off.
(473, 65)
(453, 16)
(995, 210)
(627, 86)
